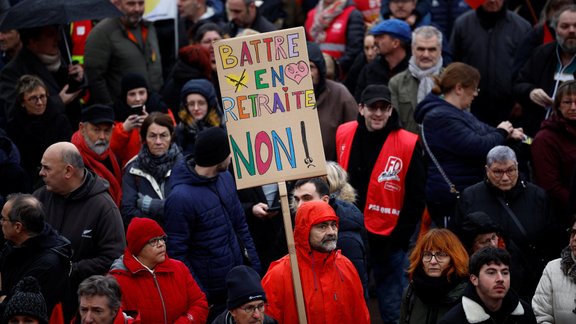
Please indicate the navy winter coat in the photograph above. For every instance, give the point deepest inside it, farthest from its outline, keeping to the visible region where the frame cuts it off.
(459, 142)
(203, 218)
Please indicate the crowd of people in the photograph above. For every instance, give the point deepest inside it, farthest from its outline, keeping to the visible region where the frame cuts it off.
(450, 136)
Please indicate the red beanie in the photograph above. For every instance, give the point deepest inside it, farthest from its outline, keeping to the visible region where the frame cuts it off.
(140, 231)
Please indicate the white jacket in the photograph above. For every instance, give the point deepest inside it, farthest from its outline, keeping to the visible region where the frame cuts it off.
(555, 296)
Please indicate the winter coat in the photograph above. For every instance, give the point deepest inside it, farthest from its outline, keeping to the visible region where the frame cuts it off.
(33, 134)
(226, 318)
(26, 62)
(136, 182)
(530, 205)
(445, 12)
(14, 178)
(352, 237)
(378, 72)
(537, 73)
(335, 106)
(414, 309)
(331, 286)
(472, 310)
(491, 51)
(554, 158)
(168, 295)
(459, 142)
(205, 223)
(91, 221)
(553, 301)
(404, 91)
(110, 54)
(46, 257)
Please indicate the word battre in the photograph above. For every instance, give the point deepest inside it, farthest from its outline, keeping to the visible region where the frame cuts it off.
(261, 50)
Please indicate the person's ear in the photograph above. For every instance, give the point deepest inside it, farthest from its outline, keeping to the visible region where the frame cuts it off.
(474, 280)
(325, 198)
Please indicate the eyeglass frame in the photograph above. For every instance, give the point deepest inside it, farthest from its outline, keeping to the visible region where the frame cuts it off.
(440, 256)
(385, 109)
(37, 99)
(492, 238)
(250, 309)
(500, 173)
(155, 241)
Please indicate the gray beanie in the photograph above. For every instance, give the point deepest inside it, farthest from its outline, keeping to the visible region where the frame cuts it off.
(27, 300)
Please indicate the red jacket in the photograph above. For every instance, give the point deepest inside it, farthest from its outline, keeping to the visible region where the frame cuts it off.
(332, 289)
(335, 42)
(125, 145)
(170, 295)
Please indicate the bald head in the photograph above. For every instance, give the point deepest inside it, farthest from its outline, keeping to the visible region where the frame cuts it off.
(62, 168)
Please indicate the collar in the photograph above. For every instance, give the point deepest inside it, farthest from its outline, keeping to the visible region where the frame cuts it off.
(475, 313)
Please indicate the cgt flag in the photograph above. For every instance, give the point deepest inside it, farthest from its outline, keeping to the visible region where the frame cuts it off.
(160, 9)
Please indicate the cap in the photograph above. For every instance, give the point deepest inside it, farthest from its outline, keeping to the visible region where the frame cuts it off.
(374, 93)
(394, 27)
(98, 114)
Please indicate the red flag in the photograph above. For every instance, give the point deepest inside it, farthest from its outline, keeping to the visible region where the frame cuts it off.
(474, 3)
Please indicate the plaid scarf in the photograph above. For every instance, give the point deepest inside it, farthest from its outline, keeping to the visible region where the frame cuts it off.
(324, 17)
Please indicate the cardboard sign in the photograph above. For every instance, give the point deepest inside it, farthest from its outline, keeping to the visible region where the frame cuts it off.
(269, 107)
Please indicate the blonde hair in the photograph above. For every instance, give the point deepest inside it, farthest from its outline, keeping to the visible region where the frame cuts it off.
(338, 185)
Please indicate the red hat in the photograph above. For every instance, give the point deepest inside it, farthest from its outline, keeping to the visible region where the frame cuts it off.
(140, 231)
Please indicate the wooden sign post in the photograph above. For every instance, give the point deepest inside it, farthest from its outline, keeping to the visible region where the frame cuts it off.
(270, 112)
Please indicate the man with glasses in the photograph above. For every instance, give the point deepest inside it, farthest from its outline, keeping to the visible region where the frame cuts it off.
(33, 248)
(521, 211)
(386, 167)
(332, 289)
(93, 142)
(246, 299)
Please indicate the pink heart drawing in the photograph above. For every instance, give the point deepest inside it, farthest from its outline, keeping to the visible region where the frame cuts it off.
(297, 71)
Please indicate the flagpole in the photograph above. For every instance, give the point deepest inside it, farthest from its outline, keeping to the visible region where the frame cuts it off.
(176, 31)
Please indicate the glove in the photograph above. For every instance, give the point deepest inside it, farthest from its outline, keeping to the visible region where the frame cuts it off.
(144, 202)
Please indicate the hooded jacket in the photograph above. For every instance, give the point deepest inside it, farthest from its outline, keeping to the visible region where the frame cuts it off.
(331, 286)
(204, 224)
(459, 142)
(472, 310)
(45, 257)
(167, 295)
(91, 221)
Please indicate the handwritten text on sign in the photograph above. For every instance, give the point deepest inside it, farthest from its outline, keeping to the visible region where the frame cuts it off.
(269, 107)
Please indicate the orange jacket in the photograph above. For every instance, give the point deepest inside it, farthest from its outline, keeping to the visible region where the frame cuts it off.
(332, 289)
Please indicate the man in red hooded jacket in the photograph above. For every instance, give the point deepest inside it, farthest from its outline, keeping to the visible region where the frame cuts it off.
(332, 289)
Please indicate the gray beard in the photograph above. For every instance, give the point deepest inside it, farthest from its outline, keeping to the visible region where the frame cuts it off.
(99, 147)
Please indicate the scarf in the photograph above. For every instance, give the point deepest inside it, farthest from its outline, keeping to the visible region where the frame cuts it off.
(51, 62)
(97, 164)
(158, 166)
(433, 290)
(426, 83)
(324, 17)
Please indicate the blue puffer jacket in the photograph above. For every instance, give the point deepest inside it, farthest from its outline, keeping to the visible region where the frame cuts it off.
(459, 142)
(203, 216)
(352, 237)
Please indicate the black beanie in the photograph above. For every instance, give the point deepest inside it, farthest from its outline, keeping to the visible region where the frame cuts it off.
(211, 147)
(243, 284)
(474, 224)
(27, 300)
(132, 81)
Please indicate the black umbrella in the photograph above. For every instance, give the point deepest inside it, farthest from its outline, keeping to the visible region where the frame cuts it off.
(36, 13)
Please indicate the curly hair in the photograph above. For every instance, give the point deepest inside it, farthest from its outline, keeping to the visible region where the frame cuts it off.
(441, 240)
(337, 179)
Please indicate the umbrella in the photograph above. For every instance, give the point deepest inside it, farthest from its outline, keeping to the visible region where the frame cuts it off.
(36, 13)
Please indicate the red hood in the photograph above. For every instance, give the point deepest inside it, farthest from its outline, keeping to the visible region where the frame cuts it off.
(308, 215)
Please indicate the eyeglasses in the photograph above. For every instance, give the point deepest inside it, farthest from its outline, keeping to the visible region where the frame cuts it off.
(500, 173)
(153, 137)
(37, 99)
(440, 256)
(250, 309)
(382, 107)
(155, 241)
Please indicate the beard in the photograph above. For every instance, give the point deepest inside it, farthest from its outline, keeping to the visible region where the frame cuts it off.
(327, 245)
(568, 45)
(99, 147)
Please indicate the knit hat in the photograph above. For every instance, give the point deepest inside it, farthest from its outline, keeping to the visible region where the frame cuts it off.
(243, 284)
(374, 93)
(97, 114)
(27, 300)
(140, 231)
(394, 27)
(315, 56)
(474, 224)
(211, 147)
(200, 86)
(131, 81)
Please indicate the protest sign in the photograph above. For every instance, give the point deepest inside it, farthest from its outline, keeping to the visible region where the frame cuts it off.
(269, 107)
